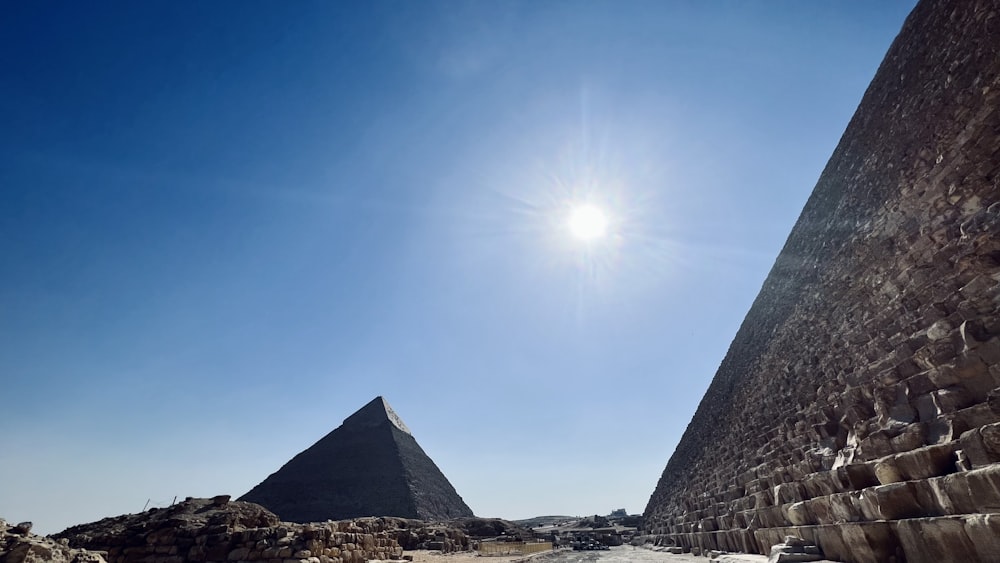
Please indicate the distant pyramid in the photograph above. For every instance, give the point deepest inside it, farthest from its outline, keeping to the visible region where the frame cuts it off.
(369, 466)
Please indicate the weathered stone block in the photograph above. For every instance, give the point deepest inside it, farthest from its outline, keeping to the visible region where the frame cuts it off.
(911, 438)
(847, 507)
(884, 310)
(983, 530)
(932, 540)
(798, 514)
(929, 461)
(984, 488)
(861, 475)
(893, 502)
(866, 542)
(975, 450)
(887, 471)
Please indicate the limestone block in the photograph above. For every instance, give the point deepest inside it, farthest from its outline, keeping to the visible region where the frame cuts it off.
(865, 542)
(983, 531)
(788, 492)
(975, 449)
(820, 509)
(783, 557)
(935, 354)
(925, 497)
(942, 376)
(912, 437)
(978, 387)
(927, 409)
(968, 366)
(989, 351)
(763, 499)
(876, 445)
(798, 514)
(819, 484)
(865, 504)
(925, 462)
(861, 475)
(894, 501)
(33, 552)
(846, 507)
(984, 488)
(990, 435)
(829, 539)
(886, 471)
(952, 495)
(951, 399)
(945, 429)
(932, 540)
(218, 552)
(940, 330)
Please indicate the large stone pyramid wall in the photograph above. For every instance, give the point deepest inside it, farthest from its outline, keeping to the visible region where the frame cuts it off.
(856, 405)
(369, 466)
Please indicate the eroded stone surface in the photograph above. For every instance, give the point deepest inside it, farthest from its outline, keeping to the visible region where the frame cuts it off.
(858, 404)
(19, 545)
(210, 530)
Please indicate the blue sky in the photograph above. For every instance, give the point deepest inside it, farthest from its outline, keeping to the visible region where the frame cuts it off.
(226, 226)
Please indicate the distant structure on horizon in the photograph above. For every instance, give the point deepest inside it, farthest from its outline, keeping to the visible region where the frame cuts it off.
(369, 466)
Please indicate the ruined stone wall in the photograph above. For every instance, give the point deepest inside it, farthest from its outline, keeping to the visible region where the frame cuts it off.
(215, 530)
(334, 542)
(854, 405)
(19, 545)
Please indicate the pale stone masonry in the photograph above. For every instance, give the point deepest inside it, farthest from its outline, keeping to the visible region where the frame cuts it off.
(19, 545)
(857, 405)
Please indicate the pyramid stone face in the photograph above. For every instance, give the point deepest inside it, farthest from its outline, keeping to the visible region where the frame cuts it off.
(850, 408)
(369, 466)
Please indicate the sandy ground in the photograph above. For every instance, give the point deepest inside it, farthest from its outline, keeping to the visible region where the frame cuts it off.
(422, 556)
(622, 554)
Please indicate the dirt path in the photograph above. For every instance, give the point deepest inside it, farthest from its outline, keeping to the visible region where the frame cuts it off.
(621, 554)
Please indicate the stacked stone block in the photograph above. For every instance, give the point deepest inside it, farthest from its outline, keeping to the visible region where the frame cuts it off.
(202, 530)
(858, 406)
(19, 545)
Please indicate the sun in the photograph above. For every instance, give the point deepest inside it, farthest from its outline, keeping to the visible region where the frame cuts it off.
(587, 222)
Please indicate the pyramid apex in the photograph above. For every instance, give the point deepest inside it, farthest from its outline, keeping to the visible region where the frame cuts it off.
(374, 413)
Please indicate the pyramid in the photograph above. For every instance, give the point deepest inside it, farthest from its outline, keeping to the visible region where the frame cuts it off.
(369, 466)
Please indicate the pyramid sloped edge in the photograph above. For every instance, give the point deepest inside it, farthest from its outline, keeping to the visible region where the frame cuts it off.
(371, 465)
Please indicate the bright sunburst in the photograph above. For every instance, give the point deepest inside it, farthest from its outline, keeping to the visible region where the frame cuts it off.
(587, 222)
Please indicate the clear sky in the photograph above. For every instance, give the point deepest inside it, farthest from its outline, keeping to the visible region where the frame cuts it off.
(226, 226)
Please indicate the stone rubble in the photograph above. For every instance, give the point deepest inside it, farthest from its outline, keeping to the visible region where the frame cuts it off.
(217, 530)
(794, 550)
(19, 545)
